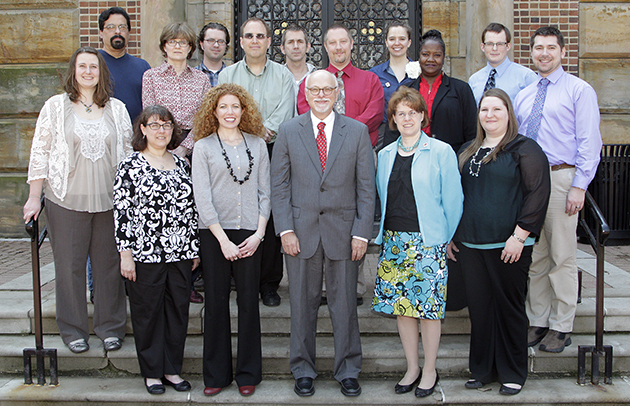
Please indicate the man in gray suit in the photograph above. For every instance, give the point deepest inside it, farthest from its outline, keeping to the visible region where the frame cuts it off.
(322, 197)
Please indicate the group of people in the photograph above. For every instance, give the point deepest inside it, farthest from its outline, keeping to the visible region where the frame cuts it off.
(232, 170)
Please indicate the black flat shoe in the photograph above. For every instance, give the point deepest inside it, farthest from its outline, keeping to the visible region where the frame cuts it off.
(400, 389)
(473, 384)
(183, 386)
(506, 390)
(421, 393)
(304, 386)
(156, 389)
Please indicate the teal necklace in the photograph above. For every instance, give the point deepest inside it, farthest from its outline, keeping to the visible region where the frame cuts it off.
(407, 149)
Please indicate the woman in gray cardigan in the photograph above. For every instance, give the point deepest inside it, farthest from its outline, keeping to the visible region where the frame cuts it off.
(231, 185)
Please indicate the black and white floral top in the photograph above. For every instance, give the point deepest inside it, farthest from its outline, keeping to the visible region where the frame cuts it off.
(154, 211)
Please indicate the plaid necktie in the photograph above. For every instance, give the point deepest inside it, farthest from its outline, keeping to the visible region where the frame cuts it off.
(321, 144)
(340, 104)
(536, 115)
(491, 83)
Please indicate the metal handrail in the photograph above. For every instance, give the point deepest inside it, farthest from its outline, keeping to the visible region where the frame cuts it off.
(597, 241)
(37, 238)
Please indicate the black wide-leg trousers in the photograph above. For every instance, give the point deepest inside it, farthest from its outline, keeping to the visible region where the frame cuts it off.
(217, 338)
(496, 293)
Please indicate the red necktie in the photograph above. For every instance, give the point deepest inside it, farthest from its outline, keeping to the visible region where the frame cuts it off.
(321, 144)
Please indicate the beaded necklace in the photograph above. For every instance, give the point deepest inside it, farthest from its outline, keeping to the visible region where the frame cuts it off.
(229, 164)
(407, 149)
(476, 161)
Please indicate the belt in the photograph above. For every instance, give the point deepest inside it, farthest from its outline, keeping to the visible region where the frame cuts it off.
(561, 166)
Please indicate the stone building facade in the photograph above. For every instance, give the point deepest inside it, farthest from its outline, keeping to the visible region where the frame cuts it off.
(39, 36)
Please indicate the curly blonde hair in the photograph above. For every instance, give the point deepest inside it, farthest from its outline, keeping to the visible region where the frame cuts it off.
(206, 123)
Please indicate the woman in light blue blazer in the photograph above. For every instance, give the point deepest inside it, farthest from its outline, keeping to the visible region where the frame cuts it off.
(419, 186)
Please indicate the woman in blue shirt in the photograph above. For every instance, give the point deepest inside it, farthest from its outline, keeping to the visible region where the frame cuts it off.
(392, 73)
(421, 201)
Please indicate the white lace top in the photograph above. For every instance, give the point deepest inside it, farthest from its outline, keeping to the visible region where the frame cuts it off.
(77, 157)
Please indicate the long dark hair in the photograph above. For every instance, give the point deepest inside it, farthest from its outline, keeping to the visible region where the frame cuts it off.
(103, 87)
(510, 134)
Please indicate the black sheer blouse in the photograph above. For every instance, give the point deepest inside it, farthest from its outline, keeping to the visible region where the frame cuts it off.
(512, 190)
(401, 213)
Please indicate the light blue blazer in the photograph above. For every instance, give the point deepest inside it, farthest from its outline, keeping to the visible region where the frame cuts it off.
(437, 188)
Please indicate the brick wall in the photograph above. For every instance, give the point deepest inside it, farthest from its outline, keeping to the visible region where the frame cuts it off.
(530, 15)
(88, 30)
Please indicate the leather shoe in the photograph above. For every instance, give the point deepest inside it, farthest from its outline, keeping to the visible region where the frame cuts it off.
(535, 335)
(506, 390)
(421, 393)
(350, 387)
(112, 344)
(271, 298)
(400, 389)
(183, 386)
(211, 391)
(304, 386)
(156, 389)
(247, 390)
(473, 384)
(195, 297)
(78, 346)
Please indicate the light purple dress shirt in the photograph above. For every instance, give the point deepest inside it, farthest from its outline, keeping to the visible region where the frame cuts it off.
(569, 129)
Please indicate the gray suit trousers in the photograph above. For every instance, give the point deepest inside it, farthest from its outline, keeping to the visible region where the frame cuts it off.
(305, 290)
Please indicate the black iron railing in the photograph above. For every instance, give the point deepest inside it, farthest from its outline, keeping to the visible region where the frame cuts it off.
(597, 240)
(37, 238)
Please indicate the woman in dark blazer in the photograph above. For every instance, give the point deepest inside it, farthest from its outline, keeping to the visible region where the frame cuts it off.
(453, 113)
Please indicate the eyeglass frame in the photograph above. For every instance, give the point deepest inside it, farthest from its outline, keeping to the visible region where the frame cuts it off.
(182, 43)
(162, 126)
(321, 90)
(260, 36)
(411, 114)
(113, 27)
(212, 41)
(496, 44)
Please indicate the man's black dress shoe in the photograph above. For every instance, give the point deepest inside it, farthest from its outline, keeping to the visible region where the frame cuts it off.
(400, 389)
(156, 389)
(304, 386)
(473, 384)
(183, 386)
(421, 393)
(271, 298)
(350, 387)
(506, 390)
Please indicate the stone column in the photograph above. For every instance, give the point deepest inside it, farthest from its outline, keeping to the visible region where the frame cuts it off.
(480, 13)
(156, 14)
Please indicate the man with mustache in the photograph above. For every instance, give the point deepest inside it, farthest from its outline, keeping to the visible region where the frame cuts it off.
(125, 70)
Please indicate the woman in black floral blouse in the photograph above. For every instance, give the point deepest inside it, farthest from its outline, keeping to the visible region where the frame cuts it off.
(156, 234)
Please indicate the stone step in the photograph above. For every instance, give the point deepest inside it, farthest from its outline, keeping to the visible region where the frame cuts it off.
(16, 316)
(382, 355)
(125, 391)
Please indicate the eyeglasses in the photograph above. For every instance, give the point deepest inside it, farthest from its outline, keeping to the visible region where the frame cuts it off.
(156, 126)
(213, 41)
(401, 114)
(495, 44)
(316, 90)
(112, 27)
(174, 42)
(249, 35)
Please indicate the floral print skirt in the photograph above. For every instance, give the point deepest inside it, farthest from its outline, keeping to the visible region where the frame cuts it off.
(411, 278)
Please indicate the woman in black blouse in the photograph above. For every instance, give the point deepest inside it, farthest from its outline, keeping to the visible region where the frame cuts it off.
(156, 234)
(505, 177)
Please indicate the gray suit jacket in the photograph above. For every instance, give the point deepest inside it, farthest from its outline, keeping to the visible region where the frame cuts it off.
(330, 207)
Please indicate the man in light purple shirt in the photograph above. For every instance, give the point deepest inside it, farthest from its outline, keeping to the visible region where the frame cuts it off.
(567, 129)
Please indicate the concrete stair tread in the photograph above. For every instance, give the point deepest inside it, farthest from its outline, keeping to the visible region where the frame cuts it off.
(382, 355)
(130, 391)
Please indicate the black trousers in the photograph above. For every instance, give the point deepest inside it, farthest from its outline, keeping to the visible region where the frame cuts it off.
(272, 267)
(496, 294)
(159, 301)
(217, 339)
